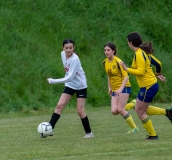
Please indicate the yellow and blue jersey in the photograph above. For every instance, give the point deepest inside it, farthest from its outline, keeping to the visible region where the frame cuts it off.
(115, 72)
(141, 68)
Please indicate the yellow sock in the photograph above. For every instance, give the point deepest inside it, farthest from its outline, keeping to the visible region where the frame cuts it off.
(152, 110)
(130, 121)
(129, 106)
(147, 124)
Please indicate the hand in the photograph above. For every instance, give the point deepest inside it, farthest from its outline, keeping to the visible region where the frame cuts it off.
(110, 92)
(49, 80)
(117, 92)
(123, 65)
(161, 78)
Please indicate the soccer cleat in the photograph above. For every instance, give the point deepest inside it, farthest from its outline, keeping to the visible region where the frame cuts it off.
(133, 101)
(42, 136)
(152, 137)
(133, 130)
(89, 135)
(52, 133)
(169, 113)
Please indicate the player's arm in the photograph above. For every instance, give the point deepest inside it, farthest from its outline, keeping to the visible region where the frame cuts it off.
(71, 73)
(141, 65)
(154, 61)
(124, 82)
(109, 86)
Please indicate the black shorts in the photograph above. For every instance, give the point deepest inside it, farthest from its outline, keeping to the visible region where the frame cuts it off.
(82, 93)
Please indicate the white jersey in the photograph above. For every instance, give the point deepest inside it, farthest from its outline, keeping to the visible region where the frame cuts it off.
(75, 76)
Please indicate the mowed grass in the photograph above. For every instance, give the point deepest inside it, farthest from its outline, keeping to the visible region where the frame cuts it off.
(19, 139)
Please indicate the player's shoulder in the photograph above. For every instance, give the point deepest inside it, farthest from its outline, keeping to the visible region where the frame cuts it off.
(105, 60)
(62, 52)
(118, 59)
(139, 52)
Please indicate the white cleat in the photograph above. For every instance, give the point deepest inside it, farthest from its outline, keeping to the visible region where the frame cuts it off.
(52, 133)
(89, 135)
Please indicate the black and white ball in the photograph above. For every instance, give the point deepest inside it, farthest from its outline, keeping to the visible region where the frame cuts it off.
(44, 129)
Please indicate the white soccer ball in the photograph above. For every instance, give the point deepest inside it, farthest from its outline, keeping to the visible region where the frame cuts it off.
(45, 129)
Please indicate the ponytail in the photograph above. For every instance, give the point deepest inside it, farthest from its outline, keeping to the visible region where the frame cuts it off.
(147, 47)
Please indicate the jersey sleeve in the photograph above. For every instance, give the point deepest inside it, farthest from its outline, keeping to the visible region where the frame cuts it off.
(70, 73)
(154, 61)
(140, 60)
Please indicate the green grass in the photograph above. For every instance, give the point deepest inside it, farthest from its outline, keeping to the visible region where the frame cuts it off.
(31, 38)
(19, 139)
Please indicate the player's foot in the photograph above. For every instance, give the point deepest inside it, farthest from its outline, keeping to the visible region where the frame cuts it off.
(42, 136)
(152, 137)
(169, 113)
(52, 133)
(89, 135)
(133, 101)
(133, 130)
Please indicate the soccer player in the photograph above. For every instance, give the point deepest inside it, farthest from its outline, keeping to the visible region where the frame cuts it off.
(119, 87)
(158, 73)
(147, 82)
(75, 82)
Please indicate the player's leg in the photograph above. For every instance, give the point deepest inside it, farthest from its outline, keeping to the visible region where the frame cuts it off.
(114, 104)
(64, 99)
(130, 105)
(123, 98)
(81, 98)
(145, 96)
(153, 110)
(141, 108)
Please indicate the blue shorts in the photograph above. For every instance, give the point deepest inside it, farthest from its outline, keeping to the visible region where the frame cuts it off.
(125, 90)
(148, 95)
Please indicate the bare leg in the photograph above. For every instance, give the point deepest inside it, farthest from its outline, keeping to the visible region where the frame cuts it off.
(83, 116)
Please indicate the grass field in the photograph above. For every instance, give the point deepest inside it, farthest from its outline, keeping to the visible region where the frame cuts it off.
(19, 139)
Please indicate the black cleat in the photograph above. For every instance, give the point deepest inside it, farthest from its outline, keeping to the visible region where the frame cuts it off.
(152, 138)
(169, 113)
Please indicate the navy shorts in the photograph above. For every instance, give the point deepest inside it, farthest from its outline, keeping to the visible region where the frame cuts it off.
(79, 93)
(125, 90)
(148, 95)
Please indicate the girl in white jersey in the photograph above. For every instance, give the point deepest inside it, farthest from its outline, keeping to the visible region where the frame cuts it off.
(75, 82)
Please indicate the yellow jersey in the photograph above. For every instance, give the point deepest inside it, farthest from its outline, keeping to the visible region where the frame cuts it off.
(116, 73)
(141, 68)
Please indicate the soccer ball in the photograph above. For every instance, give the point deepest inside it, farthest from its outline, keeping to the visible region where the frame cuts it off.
(45, 129)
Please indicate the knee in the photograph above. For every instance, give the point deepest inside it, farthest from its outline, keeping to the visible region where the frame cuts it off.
(81, 112)
(59, 108)
(114, 112)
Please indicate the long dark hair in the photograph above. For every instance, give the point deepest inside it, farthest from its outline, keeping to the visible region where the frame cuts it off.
(136, 40)
(111, 45)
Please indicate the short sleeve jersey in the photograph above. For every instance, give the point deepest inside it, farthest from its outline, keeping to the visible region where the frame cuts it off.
(115, 72)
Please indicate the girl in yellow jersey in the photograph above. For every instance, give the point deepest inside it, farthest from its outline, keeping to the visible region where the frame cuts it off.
(119, 86)
(147, 81)
(158, 73)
